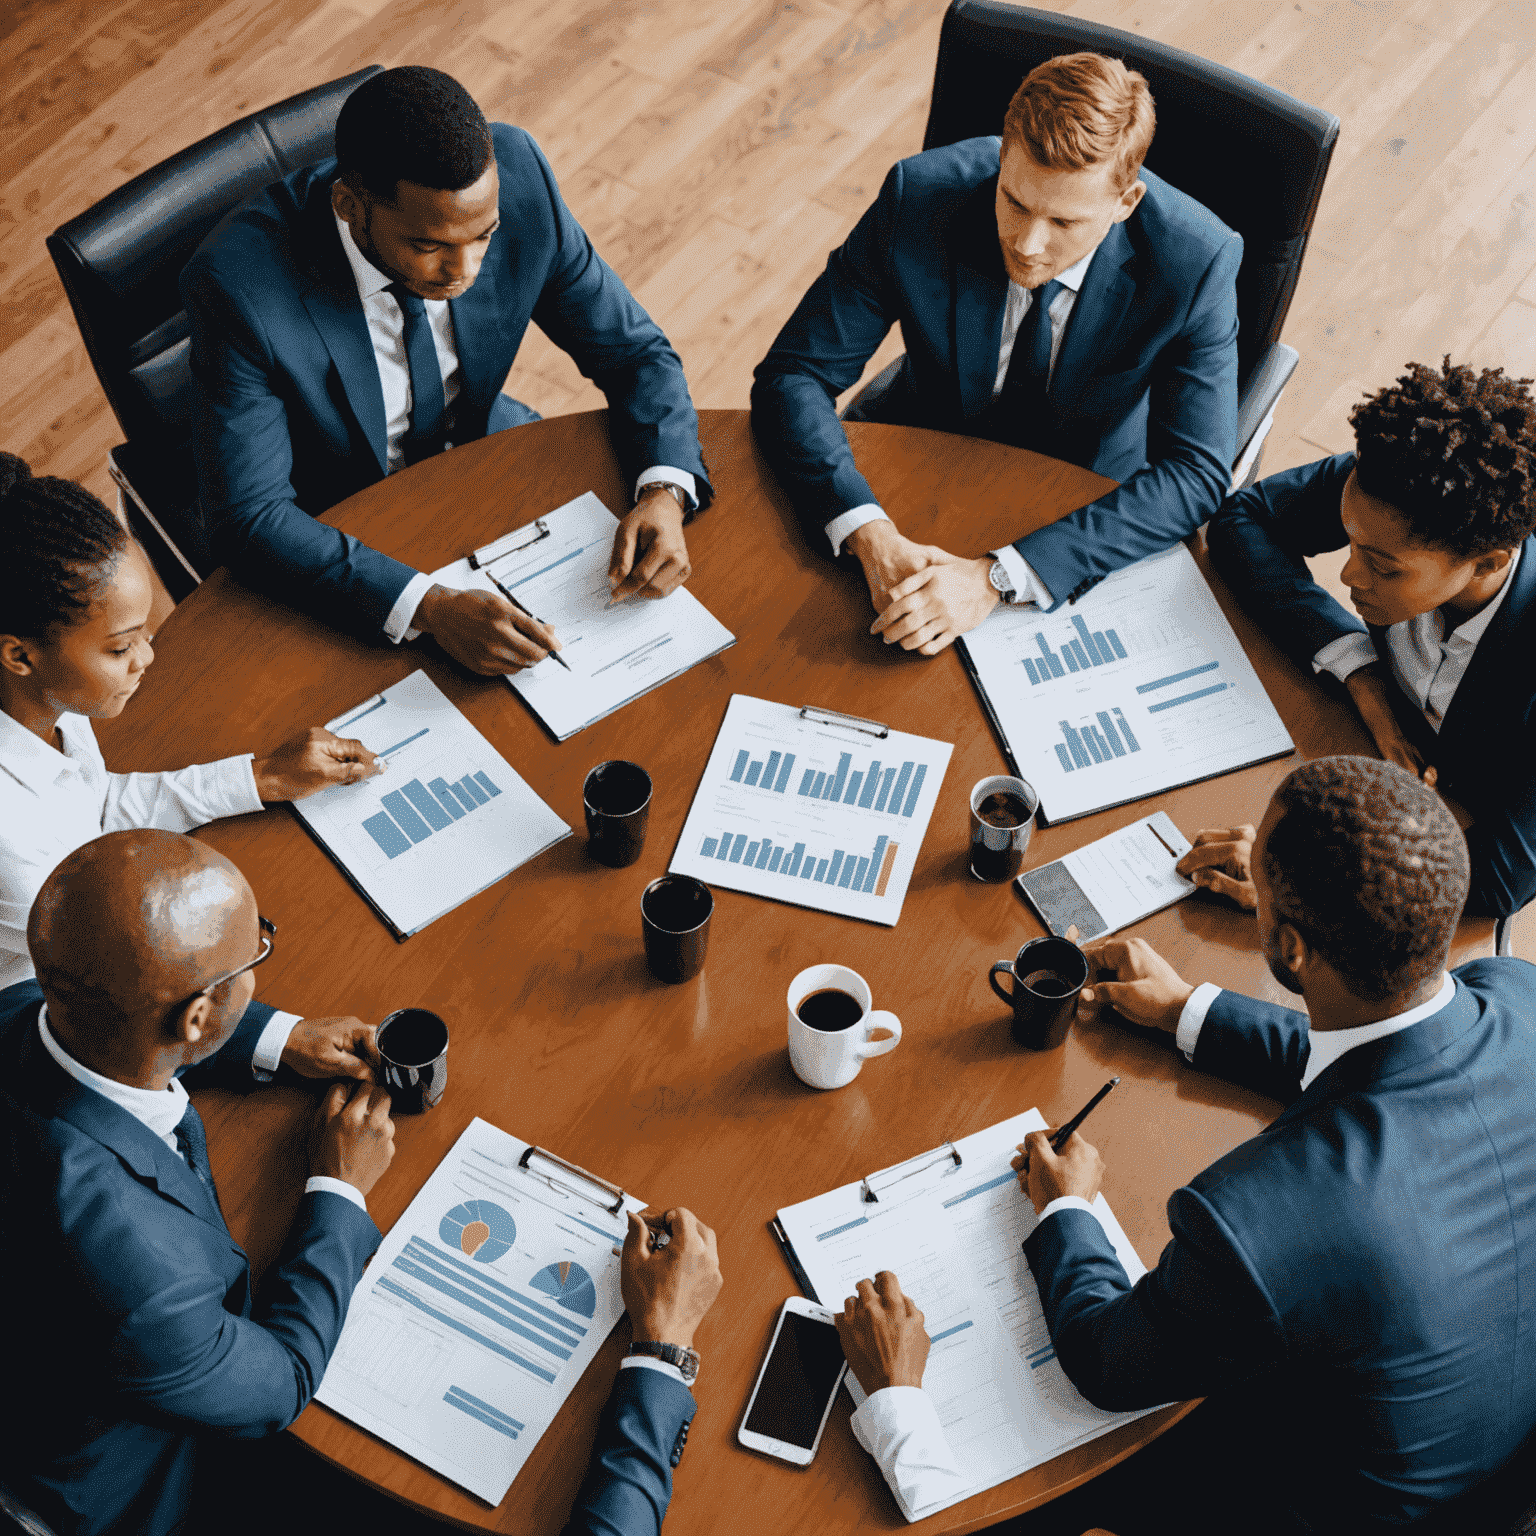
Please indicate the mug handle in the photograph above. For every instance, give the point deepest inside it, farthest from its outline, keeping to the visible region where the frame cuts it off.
(880, 1020)
(1001, 965)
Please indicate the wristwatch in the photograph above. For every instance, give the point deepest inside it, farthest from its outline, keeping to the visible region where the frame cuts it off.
(1002, 582)
(685, 1359)
(666, 485)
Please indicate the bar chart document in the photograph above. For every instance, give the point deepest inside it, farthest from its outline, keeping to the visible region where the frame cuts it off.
(448, 817)
(478, 1314)
(951, 1232)
(1139, 688)
(557, 568)
(811, 812)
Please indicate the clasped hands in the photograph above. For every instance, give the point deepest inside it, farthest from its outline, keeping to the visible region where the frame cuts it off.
(488, 635)
(926, 597)
(352, 1137)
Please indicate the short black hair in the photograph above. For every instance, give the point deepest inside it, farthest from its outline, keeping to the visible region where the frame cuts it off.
(1370, 868)
(58, 544)
(1455, 453)
(411, 124)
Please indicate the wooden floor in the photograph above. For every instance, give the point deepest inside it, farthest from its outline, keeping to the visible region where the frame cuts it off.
(718, 149)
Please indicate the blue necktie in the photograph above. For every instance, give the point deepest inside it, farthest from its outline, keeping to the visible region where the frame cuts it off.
(424, 435)
(1029, 369)
(192, 1141)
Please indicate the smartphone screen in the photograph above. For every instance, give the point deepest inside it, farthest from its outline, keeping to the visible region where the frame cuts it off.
(799, 1379)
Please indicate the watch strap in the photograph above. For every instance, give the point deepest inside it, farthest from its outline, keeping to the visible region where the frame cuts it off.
(1002, 584)
(686, 1360)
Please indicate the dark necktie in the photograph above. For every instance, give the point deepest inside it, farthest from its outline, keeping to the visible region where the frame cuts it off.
(1029, 369)
(424, 435)
(192, 1142)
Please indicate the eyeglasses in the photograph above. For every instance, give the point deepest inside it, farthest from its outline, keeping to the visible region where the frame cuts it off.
(268, 940)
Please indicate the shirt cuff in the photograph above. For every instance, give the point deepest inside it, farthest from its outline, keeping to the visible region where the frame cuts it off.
(651, 1363)
(855, 517)
(235, 784)
(900, 1428)
(1073, 1203)
(1345, 655)
(1192, 1019)
(270, 1047)
(397, 626)
(1027, 587)
(665, 474)
(321, 1185)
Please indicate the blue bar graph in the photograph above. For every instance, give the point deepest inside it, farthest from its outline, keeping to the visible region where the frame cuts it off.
(849, 871)
(1081, 651)
(741, 766)
(754, 772)
(414, 812)
(868, 788)
(1087, 745)
(1187, 698)
(1029, 667)
(771, 774)
(1177, 677)
(806, 780)
(710, 845)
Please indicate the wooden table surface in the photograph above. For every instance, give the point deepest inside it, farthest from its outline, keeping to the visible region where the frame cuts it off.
(684, 1094)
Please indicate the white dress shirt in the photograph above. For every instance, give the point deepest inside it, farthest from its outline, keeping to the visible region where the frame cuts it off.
(1027, 586)
(160, 1110)
(386, 329)
(53, 802)
(1427, 663)
(1326, 1045)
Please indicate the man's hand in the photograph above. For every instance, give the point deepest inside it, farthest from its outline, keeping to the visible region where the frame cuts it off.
(1044, 1176)
(668, 1290)
(883, 1335)
(353, 1137)
(1146, 989)
(483, 630)
(339, 1047)
(650, 554)
(313, 760)
(934, 607)
(1372, 692)
(1222, 861)
(888, 558)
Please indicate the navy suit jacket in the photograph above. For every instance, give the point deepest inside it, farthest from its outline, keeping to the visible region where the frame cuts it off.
(640, 1440)
(1485, 752)
(121, 1269)
(1145, 385)
(1367, 1263)
(290, 416)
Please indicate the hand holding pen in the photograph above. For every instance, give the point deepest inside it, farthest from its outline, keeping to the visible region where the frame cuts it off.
(1059, 1162)
(552, 648)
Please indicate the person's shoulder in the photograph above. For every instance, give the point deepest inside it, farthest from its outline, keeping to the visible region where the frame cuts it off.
(1505, 983)
(19, 1003)
(951, 172)
(262, 233)
(1175, 225)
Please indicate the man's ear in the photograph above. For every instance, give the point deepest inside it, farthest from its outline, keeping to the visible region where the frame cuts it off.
(16, 655)
(347, 205)
(190, 1023)
(1491, 564)
(1293, 951)
(1129, 199)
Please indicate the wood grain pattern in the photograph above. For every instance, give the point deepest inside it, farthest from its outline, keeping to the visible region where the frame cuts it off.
(559, 1032)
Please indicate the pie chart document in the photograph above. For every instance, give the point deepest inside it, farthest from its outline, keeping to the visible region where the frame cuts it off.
(483, 1306)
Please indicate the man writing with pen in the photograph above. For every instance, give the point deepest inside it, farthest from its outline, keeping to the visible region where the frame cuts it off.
(1349, 1289)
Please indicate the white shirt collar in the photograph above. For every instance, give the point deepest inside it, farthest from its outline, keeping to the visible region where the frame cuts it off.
(1476, 627)
(158, 1109)
(38, 763)
(1327, 1045)
(1072, 278)
(367, 276)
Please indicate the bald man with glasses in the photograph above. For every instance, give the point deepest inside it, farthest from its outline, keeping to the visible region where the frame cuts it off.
(148, 1342)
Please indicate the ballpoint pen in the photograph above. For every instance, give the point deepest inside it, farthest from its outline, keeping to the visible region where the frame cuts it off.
(555, 655)
(1064, 1135)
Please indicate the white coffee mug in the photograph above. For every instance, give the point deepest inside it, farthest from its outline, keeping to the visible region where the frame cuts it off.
(832, 1058)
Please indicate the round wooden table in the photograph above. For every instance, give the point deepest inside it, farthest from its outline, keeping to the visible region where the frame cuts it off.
(684, 1094)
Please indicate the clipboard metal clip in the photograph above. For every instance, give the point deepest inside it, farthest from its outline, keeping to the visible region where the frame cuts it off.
(489, 554)
(614, 1208)
(848, 722)
(909, 1169)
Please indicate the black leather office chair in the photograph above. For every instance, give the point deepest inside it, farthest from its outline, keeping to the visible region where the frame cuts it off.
(1254, 156)
(120, 262)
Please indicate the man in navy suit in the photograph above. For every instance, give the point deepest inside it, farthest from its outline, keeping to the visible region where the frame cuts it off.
(362, 314)
(1355, 1287)
(146, 1334)
(1052, 295)
(1437, 506)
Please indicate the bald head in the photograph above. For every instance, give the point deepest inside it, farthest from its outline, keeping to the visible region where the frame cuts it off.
(131, 925)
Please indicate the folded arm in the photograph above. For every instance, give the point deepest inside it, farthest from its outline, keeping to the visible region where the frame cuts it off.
(244, 455)
(1191, 443)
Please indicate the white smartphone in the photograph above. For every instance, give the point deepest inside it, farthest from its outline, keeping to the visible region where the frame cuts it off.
(797, 1385)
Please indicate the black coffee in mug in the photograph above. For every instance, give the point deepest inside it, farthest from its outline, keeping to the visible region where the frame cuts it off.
(413, 1049)
(1049, 984)
(1004, 810)
(830, 1010)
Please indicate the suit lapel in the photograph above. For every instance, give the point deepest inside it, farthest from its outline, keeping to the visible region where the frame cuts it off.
(476, 329)
(337, 312)
(1485, 686)
(1101, 305)
(981, 296)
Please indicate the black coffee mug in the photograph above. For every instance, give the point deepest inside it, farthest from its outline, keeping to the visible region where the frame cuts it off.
(617, 800)
(1047, 976)
(674, 914)
(413, 1050)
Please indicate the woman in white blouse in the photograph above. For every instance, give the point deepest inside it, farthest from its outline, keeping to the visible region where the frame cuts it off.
(75, 595)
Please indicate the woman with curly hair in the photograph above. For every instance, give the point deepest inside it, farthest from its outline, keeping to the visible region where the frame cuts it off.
(1436, 506)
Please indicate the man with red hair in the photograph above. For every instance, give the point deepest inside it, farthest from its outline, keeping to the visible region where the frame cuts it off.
(1052, 294)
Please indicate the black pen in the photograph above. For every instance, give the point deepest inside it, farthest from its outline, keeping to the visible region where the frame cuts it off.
(1064, 1135)
(555, 655)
